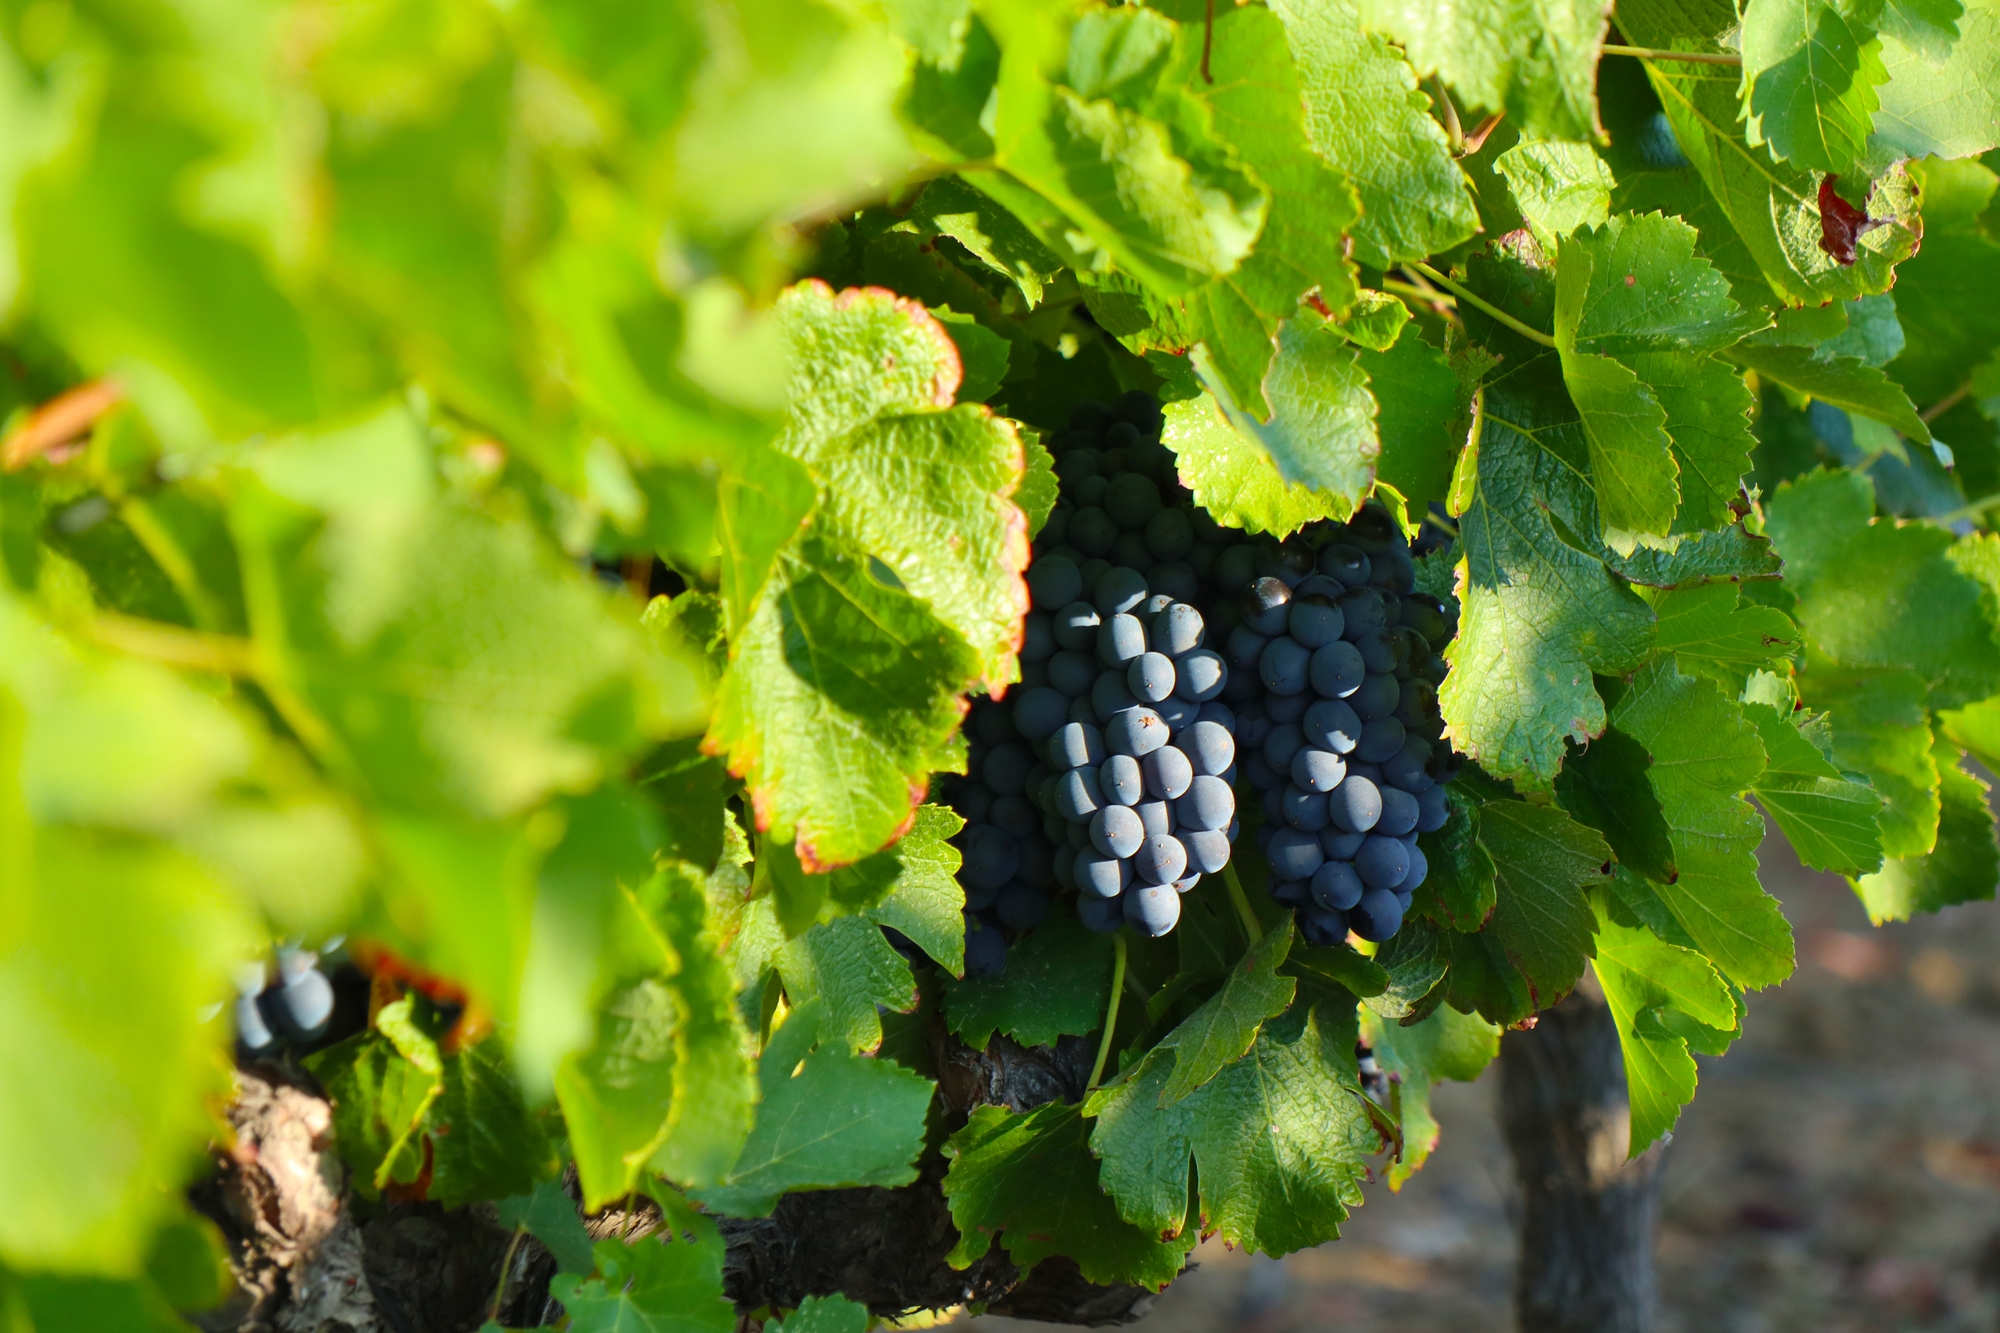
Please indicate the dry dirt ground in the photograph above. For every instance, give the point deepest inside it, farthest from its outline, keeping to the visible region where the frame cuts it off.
(1838, 1172)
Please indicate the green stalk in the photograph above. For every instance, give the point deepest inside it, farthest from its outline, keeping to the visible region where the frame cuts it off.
(1480, 303)
(1654, 53)
(1252, 928)
(1110, 1010)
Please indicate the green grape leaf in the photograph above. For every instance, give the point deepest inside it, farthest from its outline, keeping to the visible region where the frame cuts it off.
(1939, 107)
(922, 486)
(1631, 460)
(951, 207)
(1948, 298)
(667, 1284)
(1415, 960)
(1365, 115)
(848, 967)
(1278, 1139)
(484, 1141)
(981, 353)
(1030, 1182)
(1809, 78)
(823, 1314)
(1726, 553)
(1641, 974)
(1320, 431)
(1534, 59)
(1712, 622)
(380, 1098)
(1975, 729)
(549, 1215)
(828, 1119)
(1056, 984)
(1540, 614)
(1558, 185)
(1458, 892)
(48, 1301)
(1704, 754)
(1118, 177)
(1445, 1044)
(1605, 786)
(1543, 863)
(1879, 729)
(925, 901)
(841, 693)
(1228, 1021)
(1874, 594)
(1234, 477)
(1844, 381)
(103, 1024)
(1962, 865)
(1832, 822)
(1421, 416)
(1772, 207)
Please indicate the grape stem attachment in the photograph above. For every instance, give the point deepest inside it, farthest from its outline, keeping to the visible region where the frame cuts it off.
(1252, 928)
(1481, 304)
(1111, 1009)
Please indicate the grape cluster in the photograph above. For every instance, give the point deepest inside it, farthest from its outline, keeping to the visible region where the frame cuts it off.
(297, 1006)
(1120, 567)
(1342, 743)
(1141, 752)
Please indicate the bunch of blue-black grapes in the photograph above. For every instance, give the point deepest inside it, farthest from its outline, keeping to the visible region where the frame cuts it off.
(1343, 740)
(1124, 559)
(297, 1005)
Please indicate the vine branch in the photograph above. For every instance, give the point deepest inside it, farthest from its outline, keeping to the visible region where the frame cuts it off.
(1482, 305)
(1251, 927)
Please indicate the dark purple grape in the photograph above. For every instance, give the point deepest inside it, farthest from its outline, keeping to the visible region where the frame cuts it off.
(1120, 639)
(1038, 638)
(1168, 772)
(1303, 809)
(1381, 740)
(1433, 809)
(1378, 916)
(1209, 804)
(1382, 862)
(1325, 929)
(1092, 531)
(1201, 675)
(1284, 666)
(1161, 859)
(1075, 626)
(1150, 677)
(1365, 610)
(1014, 816)
(1176, 630)
(1294, 854)
(1339, 845)
(1121, 780)
(1208, 746)
(1336, 670)
(1116, 831)
(1054, 582)
(1078, 795)
(990, 857)
(1207, 849)
(1282, 744)
(1267, 605)
(985, 949)
(1169, 534)
(1355, 804)
(1073, 746)
(1005, 769)
(1317, 770)
(1376, 698)
(1335, 886)
(1101, 876)
(1344, 562)
(1136, 732)
(1152, 909)
(1039, 712)
(1399, 812)
(1156, 817)
(1118, 591)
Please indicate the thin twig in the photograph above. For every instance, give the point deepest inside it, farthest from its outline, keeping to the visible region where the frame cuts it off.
(1481, 304)
(1110, 1010)
(194, 650)
(1973, 510)
(1253, 929)
(1440, 304)
(1654, 53)
(1207, 42)
(58, 421)
(1946, 403)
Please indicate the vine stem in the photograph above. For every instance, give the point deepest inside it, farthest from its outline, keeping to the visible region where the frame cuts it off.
(1973, 510)
(500, 1291)
(1946, 403)
(1111, 1009)
(1251, 927)
(1481, 304)
(1654, 53)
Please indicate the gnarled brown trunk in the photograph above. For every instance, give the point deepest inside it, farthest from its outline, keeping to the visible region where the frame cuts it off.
(1587, 1213)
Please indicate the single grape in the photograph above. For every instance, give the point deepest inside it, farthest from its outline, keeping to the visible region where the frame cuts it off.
(1355, 804)
(1175, 579)
(1331, 725)
(1038, 713)
(1014, 816)
(1433, 809)
(1176, 630)
(1101, 876)
(1054, 582)
(975, 802)
(1109, 696)
(1376, 698)
(1284, 666)
(1317, 770)
(1005, 769)
(1283, 708)
(1120, 639)
(1399, 812)
(1078, 795)
(1323, 928)
(1161, 859)
(1303, 809)
(1038, 637)
(1169, 534)
(1336, 671)
(1075, 626)
(1364, 609)
(1207, 849)
(1294, 854)
(1132, 500)
(985, 949)
(1129, 550)
(990, 857)
(1167, 772)
(1177, 713)
(1116, 831)
(1382, 862)
(1074, 745)
(1064, 865)
(1092, 531)
(1314, 620)
(1118, 590)
(1236, 568)
(1245, 648)
(1136, 732)
(1208, 746)
(1405, 768)
(1336, 887)
(1340, 846)
(1150, 677)
(1344, 562)
(1266, 605)
(1378, 916)
(251, 1029)
(1282, 745)
(1121, 780)
(1152, 909)
(992, 726)
(1378, 650)
(1209, 804)
(1156, 817)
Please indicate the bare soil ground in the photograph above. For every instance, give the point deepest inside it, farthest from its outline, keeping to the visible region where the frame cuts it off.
(1838, 1172)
